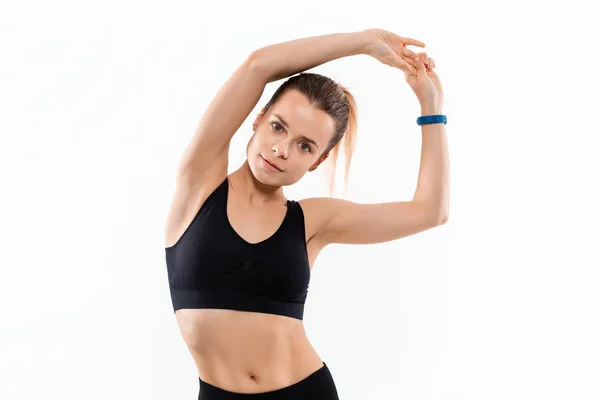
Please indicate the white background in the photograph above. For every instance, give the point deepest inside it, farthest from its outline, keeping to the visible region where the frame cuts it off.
(98, 101)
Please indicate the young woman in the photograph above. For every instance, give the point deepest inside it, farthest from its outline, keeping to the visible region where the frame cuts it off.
(239, 254)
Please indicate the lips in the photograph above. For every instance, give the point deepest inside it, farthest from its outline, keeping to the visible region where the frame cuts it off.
(272, 163)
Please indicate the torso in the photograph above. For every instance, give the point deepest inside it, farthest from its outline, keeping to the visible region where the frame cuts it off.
(245, 352)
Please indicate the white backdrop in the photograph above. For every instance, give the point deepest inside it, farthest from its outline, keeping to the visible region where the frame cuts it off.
(98, 102)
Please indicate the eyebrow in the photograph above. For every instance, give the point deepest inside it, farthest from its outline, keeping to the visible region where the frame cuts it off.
(309, 140)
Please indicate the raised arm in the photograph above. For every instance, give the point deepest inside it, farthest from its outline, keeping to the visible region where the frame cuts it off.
(207, 152)
(341, 221)
(281, 60)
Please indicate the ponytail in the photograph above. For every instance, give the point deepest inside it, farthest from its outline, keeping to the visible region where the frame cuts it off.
(349, 144)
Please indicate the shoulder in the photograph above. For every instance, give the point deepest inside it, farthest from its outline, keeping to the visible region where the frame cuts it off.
(318, 211)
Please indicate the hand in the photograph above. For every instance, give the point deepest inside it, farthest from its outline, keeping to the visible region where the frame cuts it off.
(390, 49)
(426, 84)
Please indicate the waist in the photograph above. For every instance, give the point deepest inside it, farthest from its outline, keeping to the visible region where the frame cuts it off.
(247, 351)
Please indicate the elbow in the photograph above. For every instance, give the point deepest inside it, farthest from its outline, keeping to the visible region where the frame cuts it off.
(255, 63)
(439, 216)
(443, 220)
(443, 212)
(261, 63)
(443, 217)
(437, 213)
(252, 59)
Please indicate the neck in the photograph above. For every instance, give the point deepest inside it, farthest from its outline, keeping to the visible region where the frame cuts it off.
(245, 185)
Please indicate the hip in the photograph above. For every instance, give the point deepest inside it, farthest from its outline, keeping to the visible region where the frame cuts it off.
(255, 366)
(248, 352)
(318, 385)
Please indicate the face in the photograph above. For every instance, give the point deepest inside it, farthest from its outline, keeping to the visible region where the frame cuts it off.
(292, 134)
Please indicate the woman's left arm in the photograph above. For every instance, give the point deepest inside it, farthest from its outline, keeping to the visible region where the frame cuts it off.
(433, 184)
(341, 221)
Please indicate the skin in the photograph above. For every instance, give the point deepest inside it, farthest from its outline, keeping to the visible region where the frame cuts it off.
(289, 146)
(247, 352)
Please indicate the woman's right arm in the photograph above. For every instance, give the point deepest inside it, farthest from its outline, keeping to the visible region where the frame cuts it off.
(281, 60)
(207, 153)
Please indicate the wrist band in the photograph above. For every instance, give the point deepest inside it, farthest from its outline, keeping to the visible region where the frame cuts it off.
(431, 119)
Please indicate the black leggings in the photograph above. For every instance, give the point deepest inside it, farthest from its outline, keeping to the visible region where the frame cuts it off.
(317, 386)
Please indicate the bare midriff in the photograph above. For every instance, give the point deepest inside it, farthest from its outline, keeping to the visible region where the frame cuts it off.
(247, 352)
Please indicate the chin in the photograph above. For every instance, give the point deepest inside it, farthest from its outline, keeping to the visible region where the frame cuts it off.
(260, 174)
(267, 177)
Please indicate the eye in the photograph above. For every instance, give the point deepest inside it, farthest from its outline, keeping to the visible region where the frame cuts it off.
(275, 123)
(306, 148)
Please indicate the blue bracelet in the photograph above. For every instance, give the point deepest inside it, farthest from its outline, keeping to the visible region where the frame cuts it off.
(431, 119)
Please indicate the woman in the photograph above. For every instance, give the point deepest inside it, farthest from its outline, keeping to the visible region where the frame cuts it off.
(239, 254)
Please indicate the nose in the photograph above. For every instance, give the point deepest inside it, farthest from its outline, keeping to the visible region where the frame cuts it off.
(280, 150)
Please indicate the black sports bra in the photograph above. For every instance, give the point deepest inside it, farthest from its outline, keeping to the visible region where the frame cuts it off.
(211, 266)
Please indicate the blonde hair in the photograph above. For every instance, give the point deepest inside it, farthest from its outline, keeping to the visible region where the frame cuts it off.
(349, 143)
(337, 101)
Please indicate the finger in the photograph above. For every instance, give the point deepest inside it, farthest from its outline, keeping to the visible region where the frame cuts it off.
(412, 42)
(423, 57)
(406, 55)
(428, 64)
(407, 52)
(427, 61)
(419, 57)
(410, 74)
(420, 65)
(406, 64)
(407, 68)
(409, 60)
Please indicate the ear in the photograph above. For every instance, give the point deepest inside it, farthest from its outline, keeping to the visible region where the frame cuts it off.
(323, 158)
(258, 118)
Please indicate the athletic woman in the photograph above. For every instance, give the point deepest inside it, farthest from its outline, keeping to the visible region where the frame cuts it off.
(239, 254)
